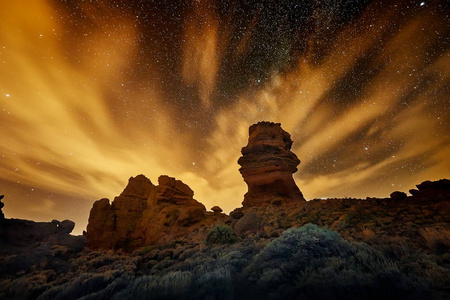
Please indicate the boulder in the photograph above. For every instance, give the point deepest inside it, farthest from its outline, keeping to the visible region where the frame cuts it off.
(236, 214)
(249, 223)
(398, 195)
(216, 209)
(66, 226)
(413, 192)
(267, 165)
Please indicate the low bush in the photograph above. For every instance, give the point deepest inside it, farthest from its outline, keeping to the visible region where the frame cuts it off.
(316, 263)
(437, 239)
(221, 234)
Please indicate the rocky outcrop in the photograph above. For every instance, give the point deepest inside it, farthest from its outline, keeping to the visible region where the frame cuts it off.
(2, 216)
(145, 214)
(398, 195)
(267, 165)
(23, 233)
(216, 209)
(432, 190)
(370, 218)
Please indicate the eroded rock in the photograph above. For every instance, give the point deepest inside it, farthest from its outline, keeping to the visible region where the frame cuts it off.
(267, 165)
(144, 214)
(216, 209)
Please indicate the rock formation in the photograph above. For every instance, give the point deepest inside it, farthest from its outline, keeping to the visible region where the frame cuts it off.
(216, 209)
(2, 216)
(398, 195)
(16, 234)
(267, 165)
(21, 233)
(144, 214)
(432, 190)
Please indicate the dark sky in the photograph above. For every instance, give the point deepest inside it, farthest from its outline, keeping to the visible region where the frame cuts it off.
(93, 92)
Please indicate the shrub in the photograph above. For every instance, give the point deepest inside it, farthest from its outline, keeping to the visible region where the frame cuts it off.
(316, 263)
(173, 285)
(221, 234)
(437, 239)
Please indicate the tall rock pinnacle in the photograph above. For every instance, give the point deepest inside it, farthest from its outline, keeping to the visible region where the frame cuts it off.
(267, 165)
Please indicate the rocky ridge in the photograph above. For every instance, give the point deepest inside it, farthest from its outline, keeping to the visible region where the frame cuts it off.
(360, 219)
(146, 214)
(169, 246)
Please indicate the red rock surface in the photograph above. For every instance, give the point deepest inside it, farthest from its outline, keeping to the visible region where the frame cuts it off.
(145, 214)
(267, 165)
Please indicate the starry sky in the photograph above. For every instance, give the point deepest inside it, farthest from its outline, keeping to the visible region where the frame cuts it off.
(93, 92)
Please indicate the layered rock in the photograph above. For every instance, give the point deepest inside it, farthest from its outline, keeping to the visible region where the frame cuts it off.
(144, 214)
(267, 165)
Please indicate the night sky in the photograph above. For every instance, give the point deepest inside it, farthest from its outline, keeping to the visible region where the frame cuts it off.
(93, 92)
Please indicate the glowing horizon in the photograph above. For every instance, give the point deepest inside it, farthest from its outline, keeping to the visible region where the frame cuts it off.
(92, 94)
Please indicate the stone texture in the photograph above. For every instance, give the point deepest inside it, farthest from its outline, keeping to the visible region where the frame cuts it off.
(267, 165)
(173, 191)
(249, 223)
(144, 214)
(236, 214)
(216, 209)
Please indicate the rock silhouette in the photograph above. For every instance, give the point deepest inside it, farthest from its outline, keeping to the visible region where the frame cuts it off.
(144, 214)
(170, 247)
(216, 209)
(267, 165)
(2, 216)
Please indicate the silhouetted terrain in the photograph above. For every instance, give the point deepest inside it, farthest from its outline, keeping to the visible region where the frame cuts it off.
(158, 242)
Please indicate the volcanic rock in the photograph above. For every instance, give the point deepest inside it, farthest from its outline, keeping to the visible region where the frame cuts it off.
(398, 195)
(173, 191)
(413, 192)
(250, 222)
(144, 214)
(2, 216)
(267, 165)
(216, 209)
(17, 232)
(236, 214)
(428, 190)
(66, 226)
